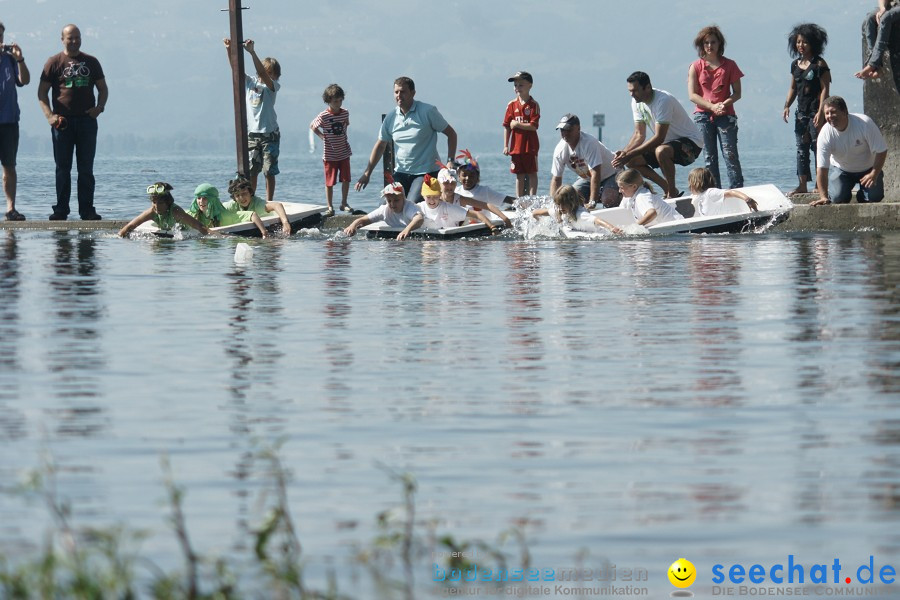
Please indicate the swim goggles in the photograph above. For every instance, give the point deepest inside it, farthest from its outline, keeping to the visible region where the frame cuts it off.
(156, 189)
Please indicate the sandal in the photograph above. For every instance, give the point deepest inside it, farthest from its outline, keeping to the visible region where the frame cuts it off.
(14, 215)
(347, 209)
(329, 212)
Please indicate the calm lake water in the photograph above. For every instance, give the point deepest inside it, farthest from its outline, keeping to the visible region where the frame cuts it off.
(728, 399)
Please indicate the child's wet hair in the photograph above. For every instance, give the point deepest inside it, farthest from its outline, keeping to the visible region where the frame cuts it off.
(633, 177)
(812, 33)
(165, 194)
(238, 184)
(700, 180)
(332, 92)
(568, 201)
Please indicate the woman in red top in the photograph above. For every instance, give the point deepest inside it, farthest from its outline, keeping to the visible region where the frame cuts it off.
(714, 85)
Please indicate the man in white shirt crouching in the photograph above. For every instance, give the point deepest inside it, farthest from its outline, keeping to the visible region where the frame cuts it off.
(850, 150)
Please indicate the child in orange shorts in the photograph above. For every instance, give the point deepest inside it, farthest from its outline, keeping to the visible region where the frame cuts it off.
(331, 125)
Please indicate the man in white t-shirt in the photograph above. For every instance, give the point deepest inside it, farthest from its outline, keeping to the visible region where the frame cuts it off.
(591, 161)
(850, 150)
(675, 140)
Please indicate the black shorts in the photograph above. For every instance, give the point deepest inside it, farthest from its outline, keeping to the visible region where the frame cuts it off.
(686, 152)
(9, 144)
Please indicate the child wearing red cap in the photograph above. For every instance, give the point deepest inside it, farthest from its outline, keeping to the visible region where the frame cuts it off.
(520, 138)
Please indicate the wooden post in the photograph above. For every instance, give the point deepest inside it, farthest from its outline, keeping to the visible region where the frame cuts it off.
(237, 79)
(387, 161)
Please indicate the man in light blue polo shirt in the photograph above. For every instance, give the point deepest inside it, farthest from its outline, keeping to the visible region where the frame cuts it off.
(413, 127)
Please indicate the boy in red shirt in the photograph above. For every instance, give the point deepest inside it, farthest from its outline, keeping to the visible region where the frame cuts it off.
(520, 138)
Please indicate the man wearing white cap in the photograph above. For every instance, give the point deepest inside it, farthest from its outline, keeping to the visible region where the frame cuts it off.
(396, 212)
(591, 161)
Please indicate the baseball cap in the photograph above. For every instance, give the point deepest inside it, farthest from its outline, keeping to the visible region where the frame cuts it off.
(522, 75)
(568, 121)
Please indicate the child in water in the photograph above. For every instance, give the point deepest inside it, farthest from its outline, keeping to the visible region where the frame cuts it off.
(206, 207)
(470, 188)
(638, 196)
(163, 211)
(448, 183)
(243, 200)
(440, 214)
(569, 209)
(710, 200)
(396, 212)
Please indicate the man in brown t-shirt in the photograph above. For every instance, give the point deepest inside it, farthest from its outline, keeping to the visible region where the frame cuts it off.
(72, 75)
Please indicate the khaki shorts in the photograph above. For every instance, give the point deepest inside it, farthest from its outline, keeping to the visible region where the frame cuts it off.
(264, 149)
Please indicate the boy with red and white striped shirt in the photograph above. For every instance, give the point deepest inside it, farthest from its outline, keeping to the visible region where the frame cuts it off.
(331, 125)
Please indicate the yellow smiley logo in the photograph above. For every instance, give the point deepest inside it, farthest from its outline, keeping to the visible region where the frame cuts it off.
(682, 573)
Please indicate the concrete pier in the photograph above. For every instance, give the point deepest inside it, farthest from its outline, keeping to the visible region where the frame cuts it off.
(881, 102)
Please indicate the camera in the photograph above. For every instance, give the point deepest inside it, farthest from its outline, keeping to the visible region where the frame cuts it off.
(5, 49)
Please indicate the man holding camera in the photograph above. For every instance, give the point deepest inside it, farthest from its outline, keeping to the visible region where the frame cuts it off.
(72, 75)
(13, 74)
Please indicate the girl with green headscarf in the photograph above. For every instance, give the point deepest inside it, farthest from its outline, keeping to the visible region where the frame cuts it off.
(206, 207)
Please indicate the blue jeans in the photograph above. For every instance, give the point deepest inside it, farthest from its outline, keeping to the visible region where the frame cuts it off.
(840, 184)
(78, 138)
(806, 134)
(583, 187)
(412, 184)
(878, 36)
(721, 131)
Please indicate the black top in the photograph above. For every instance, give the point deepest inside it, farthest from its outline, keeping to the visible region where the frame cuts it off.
(808, 84)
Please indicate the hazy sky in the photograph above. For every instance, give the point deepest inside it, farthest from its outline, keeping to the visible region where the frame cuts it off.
(168, 75)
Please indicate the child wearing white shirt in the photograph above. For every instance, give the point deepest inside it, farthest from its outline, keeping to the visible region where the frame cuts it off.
(710, 200)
